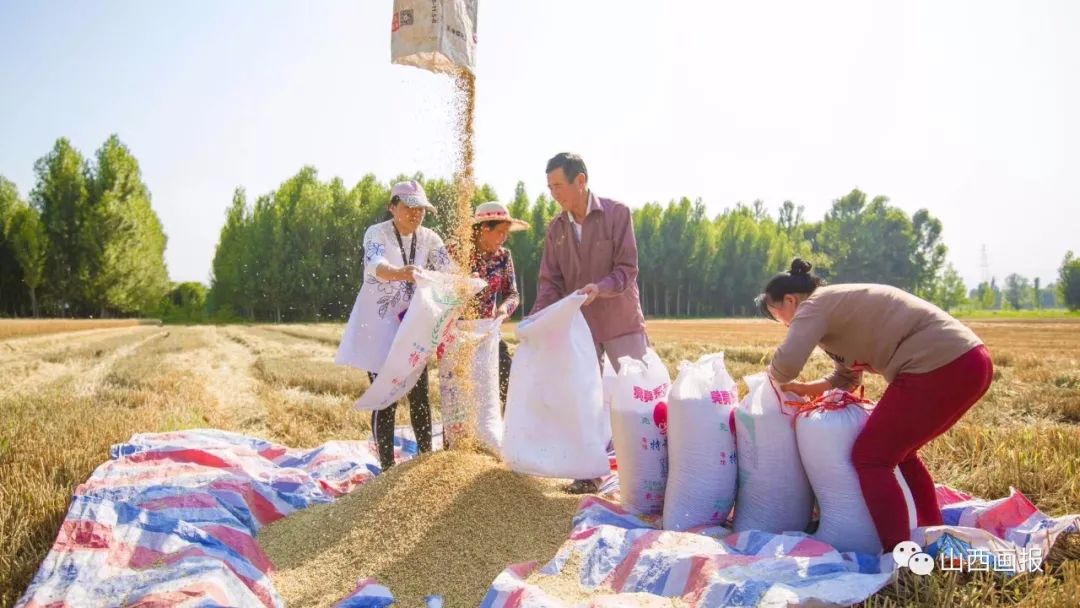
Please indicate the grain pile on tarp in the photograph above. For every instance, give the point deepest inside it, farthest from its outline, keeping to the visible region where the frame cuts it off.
(171, 520)
(443, 524)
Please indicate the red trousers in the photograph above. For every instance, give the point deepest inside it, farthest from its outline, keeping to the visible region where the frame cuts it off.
(914, 409)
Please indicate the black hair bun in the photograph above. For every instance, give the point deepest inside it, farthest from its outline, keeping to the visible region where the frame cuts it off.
(800, 266)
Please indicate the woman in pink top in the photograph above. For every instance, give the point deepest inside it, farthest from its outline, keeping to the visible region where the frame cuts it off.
(936, 367)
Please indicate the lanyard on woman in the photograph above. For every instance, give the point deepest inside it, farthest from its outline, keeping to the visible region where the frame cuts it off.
(412, 247)
(409, 287)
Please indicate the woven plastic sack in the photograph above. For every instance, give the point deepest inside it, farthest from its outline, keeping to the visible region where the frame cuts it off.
(435, 35)
(826, 430)
(471, 407)
(703, 475)
(436, 304)
(554, 404)
(774, 493)
(639, 430)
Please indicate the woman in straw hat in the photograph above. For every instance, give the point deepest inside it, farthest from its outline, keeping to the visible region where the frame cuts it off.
(491, 261)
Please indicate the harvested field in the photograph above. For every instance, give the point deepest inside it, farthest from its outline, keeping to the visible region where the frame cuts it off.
(15, 328)
(279, 382)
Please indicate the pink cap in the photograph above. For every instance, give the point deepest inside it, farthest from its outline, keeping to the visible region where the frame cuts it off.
(412, 194)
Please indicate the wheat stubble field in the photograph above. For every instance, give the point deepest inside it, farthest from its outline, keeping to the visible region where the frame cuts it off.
(67, 394)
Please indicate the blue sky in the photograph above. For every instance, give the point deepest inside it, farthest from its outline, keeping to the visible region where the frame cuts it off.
(961, 107)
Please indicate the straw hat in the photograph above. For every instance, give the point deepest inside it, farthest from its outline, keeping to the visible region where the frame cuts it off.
(495, 211)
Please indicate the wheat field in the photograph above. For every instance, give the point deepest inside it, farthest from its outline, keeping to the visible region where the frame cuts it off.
(279, 382)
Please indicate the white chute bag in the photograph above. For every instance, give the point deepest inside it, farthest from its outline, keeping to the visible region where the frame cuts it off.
(703, 477)
(436, 304)
(774, 494)
(434, 35)
(554, 404)
(470, 406)
(826, 430)
(639, 429)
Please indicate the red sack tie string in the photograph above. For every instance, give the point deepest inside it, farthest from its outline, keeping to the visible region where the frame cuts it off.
(836, 399)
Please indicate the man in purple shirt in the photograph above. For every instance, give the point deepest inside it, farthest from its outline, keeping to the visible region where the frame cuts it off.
(591, 249)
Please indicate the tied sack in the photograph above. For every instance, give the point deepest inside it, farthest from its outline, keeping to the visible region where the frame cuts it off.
(470, 404)
(826, 430)
(434, 35)
(703, 474)
(639, 429)
(436, 304)
(554, 405)
(774, 494)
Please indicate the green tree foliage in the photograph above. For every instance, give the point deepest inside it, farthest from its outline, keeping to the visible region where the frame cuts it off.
(185, 303)
(1069, 281)
(1017, 292)
(26, 235)
(296, 254)
(124, 237)
(14, 295)
(949, 292)
(89, 243)
(62, 199)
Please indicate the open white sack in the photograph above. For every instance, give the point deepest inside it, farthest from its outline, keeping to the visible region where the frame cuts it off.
(436, 304)
(554, 404)
(471, 408)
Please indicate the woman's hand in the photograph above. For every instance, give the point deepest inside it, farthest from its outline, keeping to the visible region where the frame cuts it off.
(806, 389)
(409, 273)
(389, 272)
(500, 312)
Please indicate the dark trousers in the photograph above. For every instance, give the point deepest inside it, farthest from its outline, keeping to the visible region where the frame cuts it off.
(382, 421)
(504, 372)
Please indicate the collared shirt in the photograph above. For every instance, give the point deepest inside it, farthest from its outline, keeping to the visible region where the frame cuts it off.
(606, 254)
(589, 208)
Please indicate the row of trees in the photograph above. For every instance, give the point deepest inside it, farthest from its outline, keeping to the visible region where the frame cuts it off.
(1018, 293)
(87, 243)
(296, 253)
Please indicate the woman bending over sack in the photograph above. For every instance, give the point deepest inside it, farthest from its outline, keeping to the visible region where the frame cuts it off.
(936, 368)
(395, 251)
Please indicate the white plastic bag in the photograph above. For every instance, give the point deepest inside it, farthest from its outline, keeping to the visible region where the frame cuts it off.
(475, 402)
(436, 304)
(826, 435)
(774, 494)
(639, 429)
(554, 405)
(435, 35)
(704, 471)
